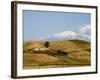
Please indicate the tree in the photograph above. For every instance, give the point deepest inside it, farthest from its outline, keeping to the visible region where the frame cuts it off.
(46, 44)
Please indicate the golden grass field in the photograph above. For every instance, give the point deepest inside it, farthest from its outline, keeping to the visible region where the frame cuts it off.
(76, 53)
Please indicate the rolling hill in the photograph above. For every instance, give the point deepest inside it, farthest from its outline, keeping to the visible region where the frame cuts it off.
(76, 53)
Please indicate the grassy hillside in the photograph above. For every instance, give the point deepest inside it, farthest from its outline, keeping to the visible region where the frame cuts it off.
(76, 53)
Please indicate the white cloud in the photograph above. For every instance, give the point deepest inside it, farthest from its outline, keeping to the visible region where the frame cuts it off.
(86, 29)
(65, 33)
(83, 33)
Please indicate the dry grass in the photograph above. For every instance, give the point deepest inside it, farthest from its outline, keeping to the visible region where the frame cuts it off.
(78, 54)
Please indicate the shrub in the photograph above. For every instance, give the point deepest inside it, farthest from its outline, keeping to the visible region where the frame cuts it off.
(46, 44)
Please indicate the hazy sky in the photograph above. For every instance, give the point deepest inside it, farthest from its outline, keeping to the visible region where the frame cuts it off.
(40, 24)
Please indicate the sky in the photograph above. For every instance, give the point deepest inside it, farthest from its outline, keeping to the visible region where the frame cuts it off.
(41, 24)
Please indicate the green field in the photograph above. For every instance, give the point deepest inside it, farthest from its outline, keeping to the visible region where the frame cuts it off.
(67, 53)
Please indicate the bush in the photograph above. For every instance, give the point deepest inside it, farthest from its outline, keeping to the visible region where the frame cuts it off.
(46, 44)
(62, 52)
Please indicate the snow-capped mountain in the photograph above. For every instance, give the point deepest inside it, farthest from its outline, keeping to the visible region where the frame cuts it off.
(68, 35)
